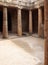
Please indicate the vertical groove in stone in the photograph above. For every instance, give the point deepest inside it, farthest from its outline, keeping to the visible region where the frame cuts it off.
(30, 21)
(39, 21)
(46, 30)
(19, 23)
(5, 26)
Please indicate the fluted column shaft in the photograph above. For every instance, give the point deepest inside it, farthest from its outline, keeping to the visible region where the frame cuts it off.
(5, 23)
(30, 21)
(39, 21)
(19, 23)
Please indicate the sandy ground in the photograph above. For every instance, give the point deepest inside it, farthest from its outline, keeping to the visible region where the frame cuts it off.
(22, 51)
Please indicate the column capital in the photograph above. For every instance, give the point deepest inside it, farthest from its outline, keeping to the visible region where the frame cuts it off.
(39, 7)
(20, 8)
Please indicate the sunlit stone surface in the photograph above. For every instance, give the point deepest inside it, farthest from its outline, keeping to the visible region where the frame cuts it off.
(21, 51)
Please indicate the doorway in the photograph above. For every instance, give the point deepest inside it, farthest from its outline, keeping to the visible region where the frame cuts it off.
(25, 22)
(35, 21)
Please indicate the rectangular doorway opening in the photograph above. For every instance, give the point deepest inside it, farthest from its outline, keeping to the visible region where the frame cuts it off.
(25, 22)
(9, 22)
(35, 21)
(12, 22)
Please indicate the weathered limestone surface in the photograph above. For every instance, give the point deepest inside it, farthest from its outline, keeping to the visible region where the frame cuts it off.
(19, 23)
(46, 30)
(21, 51)
(23, 3)
(30, 21)
(5, 25)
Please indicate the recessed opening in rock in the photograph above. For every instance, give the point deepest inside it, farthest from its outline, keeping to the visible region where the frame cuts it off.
(25, 22)
(35, 20)
(9, 22)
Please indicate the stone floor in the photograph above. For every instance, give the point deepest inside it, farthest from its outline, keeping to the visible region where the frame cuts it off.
(22, 51)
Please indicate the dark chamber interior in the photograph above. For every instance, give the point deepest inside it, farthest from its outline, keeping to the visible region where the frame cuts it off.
(9, 22)
(25, 21)
(35, 20)
(1, 21)
(42, 15)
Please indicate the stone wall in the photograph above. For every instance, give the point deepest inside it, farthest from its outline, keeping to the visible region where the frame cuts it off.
(46, 31)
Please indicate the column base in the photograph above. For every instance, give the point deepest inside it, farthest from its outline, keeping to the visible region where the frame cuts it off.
(19, 35)
(5, 37)
(30, 33)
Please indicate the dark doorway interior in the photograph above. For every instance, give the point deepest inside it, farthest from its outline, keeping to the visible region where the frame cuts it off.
(25, 21)
(9, 22)
(1, 21)
(35, 20)
(42, 15)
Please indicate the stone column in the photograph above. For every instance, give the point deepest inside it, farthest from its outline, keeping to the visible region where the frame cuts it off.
(5, 23)
(19, 23)
(39, 21)
(30, 21)
(46, 30)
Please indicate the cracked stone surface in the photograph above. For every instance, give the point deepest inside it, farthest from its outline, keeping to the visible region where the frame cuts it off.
(22, 51)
